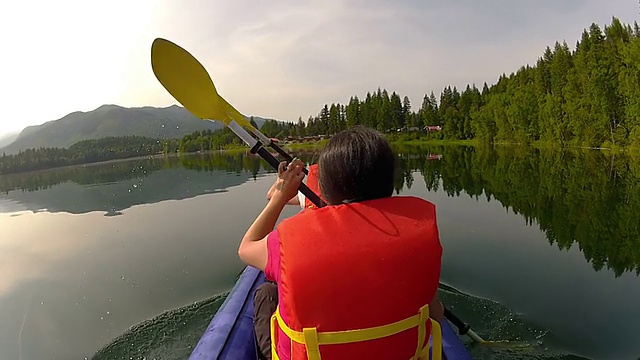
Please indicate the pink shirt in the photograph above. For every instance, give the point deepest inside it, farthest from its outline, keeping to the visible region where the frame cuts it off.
(272, 273)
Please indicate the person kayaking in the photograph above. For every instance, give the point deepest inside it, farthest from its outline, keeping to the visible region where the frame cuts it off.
(265, 298)
(356, 278)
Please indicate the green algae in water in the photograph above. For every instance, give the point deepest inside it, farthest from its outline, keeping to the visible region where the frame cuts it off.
(171, 335)
(516, 338)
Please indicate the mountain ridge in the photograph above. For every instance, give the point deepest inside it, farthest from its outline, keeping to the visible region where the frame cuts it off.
(111, 120)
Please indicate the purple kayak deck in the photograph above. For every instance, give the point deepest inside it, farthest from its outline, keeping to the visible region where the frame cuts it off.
(230, 333)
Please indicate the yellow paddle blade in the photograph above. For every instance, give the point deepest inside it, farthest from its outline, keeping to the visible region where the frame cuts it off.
(235, 114)
(187, 81)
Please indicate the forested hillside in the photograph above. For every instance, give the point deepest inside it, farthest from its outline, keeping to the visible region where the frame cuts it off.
(87, 151)
(588, 96)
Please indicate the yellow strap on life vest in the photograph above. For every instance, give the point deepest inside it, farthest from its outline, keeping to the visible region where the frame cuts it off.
(436, 342)
(312, 339)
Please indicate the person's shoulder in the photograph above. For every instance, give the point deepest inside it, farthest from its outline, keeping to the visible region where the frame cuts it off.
(412, 200)
(413, 206)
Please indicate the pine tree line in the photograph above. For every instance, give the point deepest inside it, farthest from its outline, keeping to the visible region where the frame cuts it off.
(586, 97)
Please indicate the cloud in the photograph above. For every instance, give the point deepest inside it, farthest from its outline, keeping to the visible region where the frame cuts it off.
(287, 59)
(281, 59)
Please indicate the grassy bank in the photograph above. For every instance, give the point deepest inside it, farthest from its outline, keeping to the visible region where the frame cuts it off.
(418, 142)
(313, 145)
(400, 141)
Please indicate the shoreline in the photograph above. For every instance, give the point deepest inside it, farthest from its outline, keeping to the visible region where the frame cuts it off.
(95, 163)
(315, 145)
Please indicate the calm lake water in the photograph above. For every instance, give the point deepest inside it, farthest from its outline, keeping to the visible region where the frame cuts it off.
(131, 259)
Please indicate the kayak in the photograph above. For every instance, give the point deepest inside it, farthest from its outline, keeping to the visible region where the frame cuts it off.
(230, 333)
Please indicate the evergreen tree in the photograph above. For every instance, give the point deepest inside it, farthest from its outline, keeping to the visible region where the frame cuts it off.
(396, 114)
(353, 112)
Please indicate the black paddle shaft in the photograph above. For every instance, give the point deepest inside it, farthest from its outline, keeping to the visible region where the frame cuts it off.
(285, 155)
(265, 154)
(463, 328)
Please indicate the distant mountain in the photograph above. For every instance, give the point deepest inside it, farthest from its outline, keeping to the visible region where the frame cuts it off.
(7, 139)
(112, 120)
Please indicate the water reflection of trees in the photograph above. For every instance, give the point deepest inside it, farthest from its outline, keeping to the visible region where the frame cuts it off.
(236, 162)
(111, 172)
(120, 170)
(587, 198)
(91, 174)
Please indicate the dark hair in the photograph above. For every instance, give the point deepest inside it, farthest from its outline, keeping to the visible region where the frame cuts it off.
(356, 165)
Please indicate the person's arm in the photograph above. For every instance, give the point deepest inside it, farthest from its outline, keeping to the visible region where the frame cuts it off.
(436, 309)
(253, 247)
(293, 201)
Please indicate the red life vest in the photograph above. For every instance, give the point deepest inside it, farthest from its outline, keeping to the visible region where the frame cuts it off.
(314, 185)
(358, 266)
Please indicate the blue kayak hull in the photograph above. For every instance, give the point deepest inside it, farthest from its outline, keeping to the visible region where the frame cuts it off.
(230, 333)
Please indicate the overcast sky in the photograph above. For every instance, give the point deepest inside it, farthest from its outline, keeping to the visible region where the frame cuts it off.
(276, 59)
